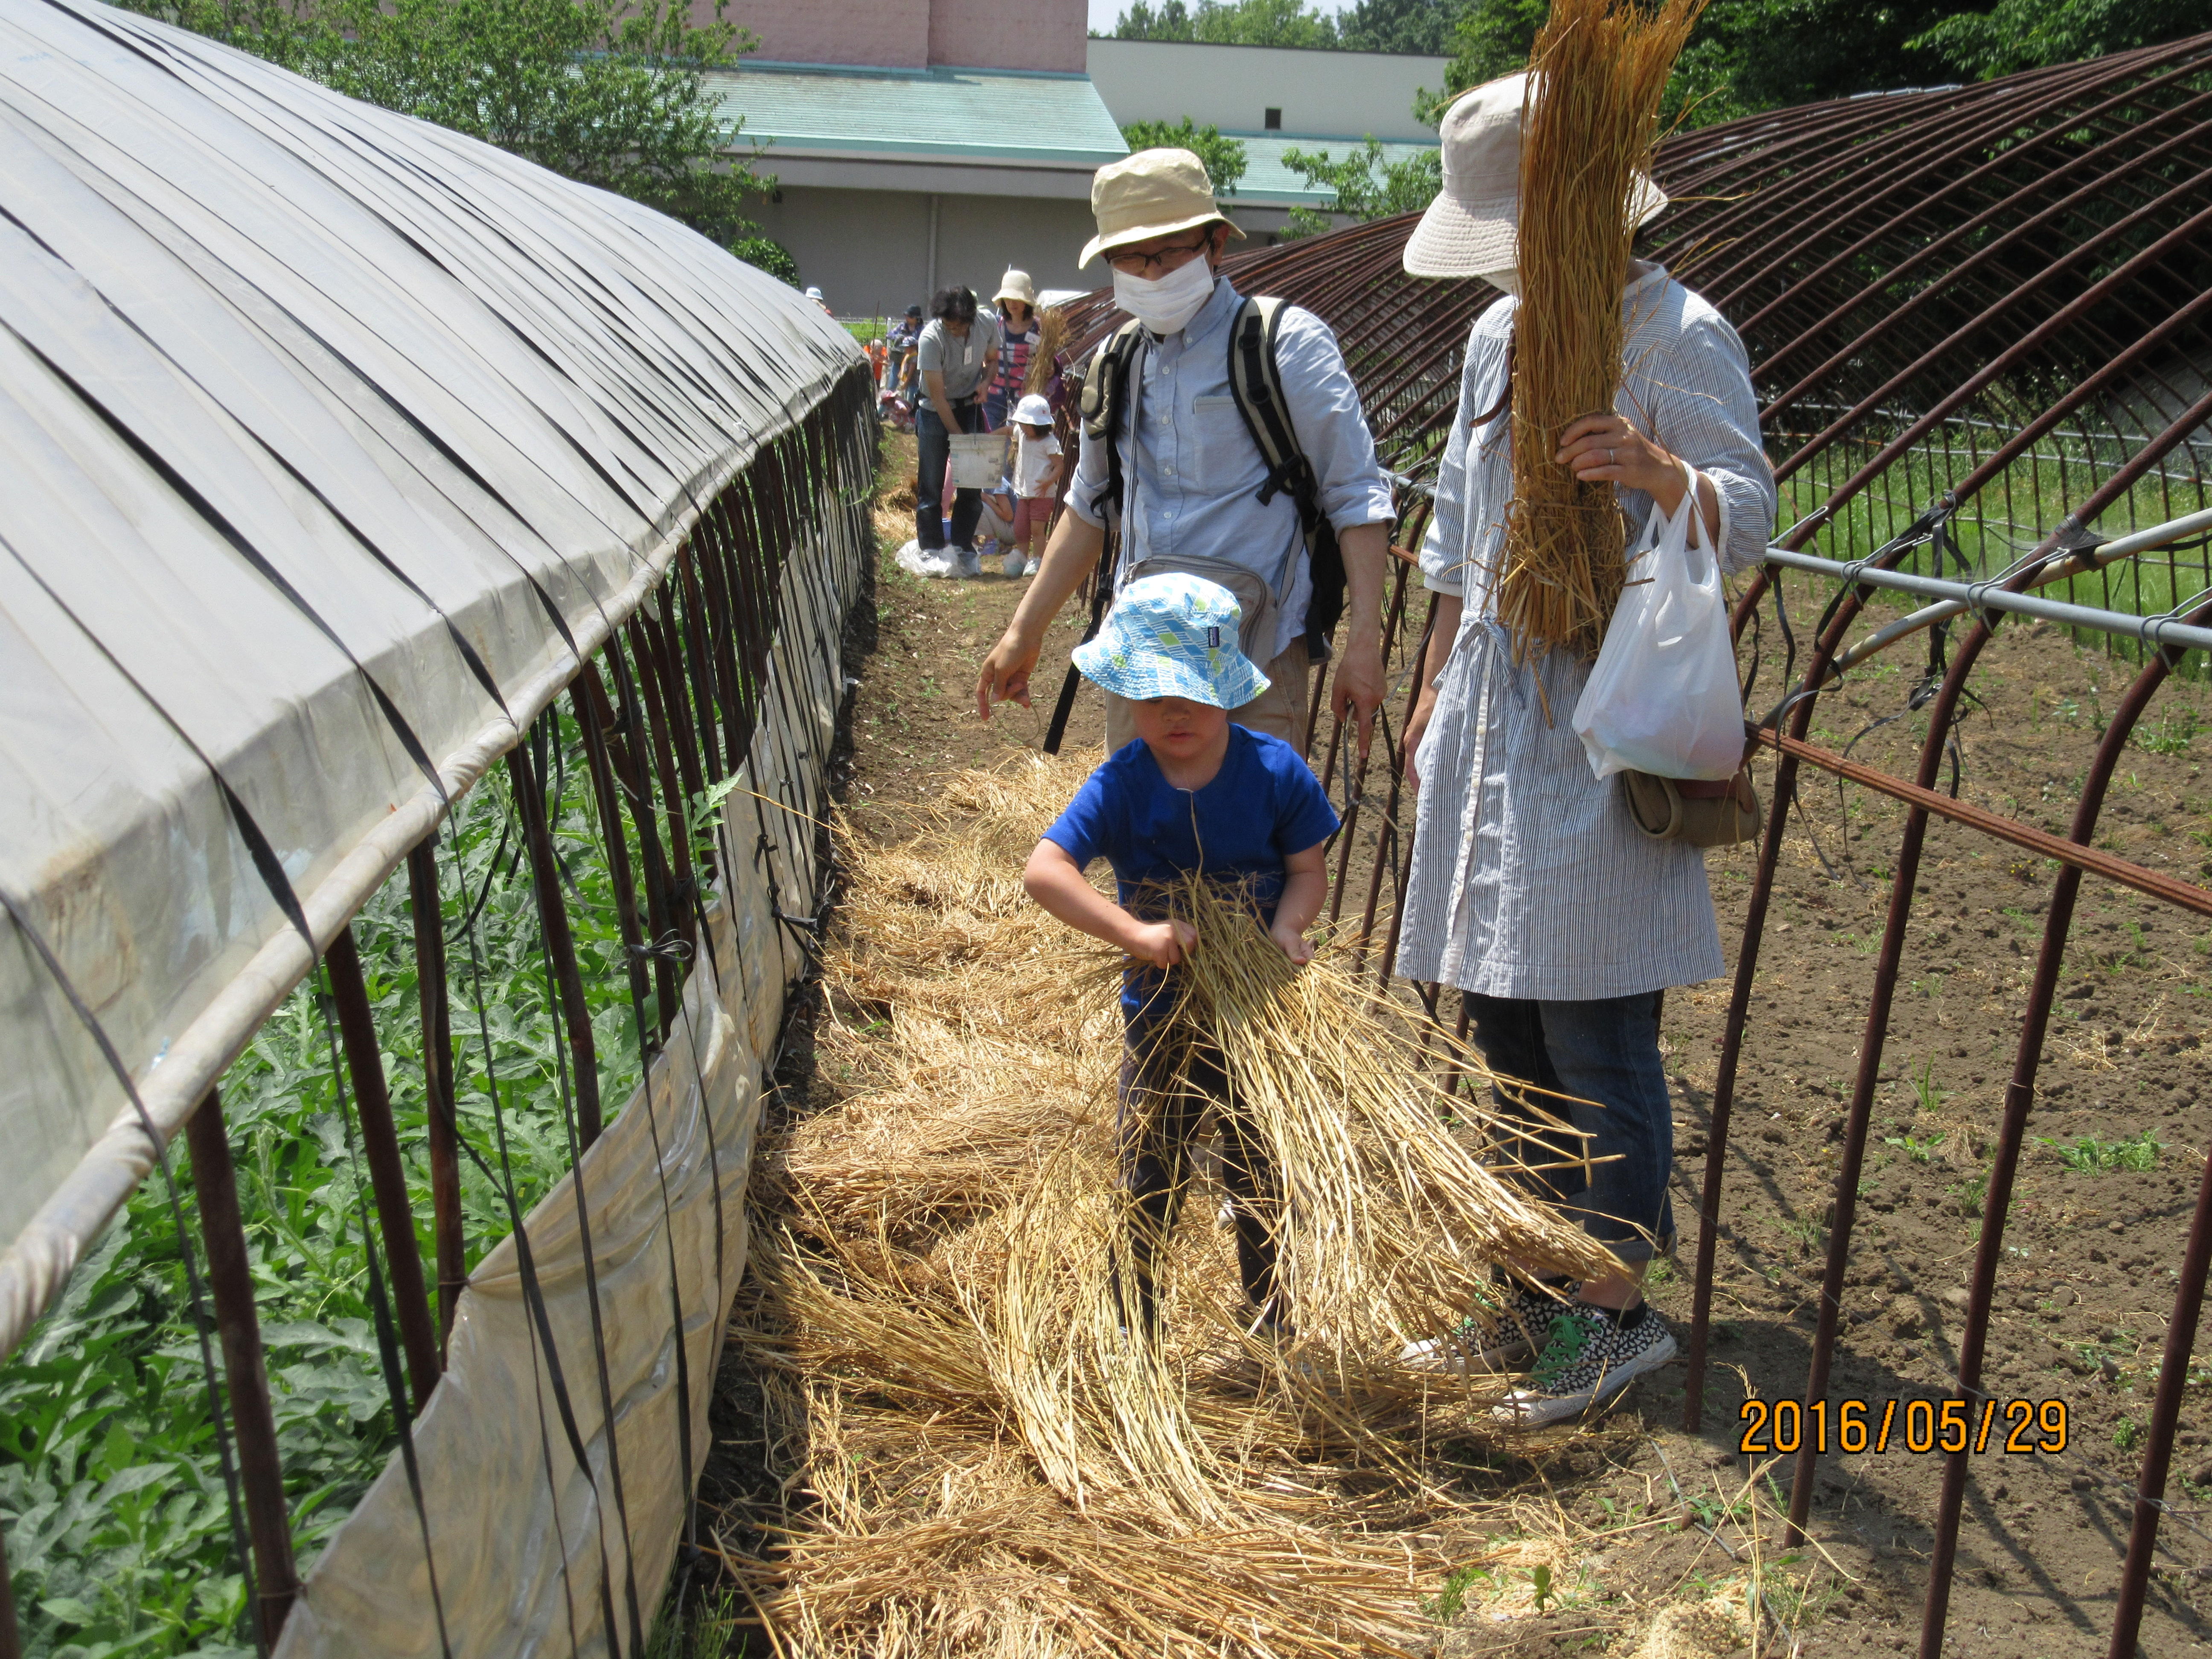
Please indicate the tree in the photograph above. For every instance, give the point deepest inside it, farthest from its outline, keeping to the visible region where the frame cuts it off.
(2018, 34)
(1751, 55)
(1363, 185)
(1224, 157)
(602, 91)
(1228, 22)
(1422, 26)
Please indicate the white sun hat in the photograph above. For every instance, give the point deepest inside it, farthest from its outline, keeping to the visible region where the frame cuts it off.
(1033, 410)
(1469, 230)
(1155, 192)
(1016, 285)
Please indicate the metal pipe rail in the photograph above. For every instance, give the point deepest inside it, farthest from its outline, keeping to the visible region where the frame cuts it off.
(1959, 598)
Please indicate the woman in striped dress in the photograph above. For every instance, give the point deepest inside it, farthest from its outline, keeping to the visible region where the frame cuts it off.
(1531, 888)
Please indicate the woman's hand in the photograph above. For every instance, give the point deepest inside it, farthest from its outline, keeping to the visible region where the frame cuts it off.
(1163, 943)
(1606, 449)
(1296, 945)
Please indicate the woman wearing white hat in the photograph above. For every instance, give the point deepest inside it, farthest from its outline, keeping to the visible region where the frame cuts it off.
(1531, 888)
(1019, 333)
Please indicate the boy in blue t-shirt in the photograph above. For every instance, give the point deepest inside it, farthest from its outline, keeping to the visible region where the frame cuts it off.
(1193, 793)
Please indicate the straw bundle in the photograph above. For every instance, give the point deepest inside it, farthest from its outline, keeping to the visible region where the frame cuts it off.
(1597, 73)
(975, 1458)
(1052, 336)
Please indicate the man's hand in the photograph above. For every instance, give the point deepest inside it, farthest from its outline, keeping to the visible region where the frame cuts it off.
(1070, 555)
(1006, 671)
(1296, 945)
(1357, 692)
(1163, 944)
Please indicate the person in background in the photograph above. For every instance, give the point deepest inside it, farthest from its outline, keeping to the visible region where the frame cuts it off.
(1195, 485)
(815, 295)
(1038, 463)
(1531, 888)
(1019, 332)
(899, 376)
(959, 354)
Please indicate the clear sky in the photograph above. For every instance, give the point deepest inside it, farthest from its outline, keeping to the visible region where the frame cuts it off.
(1104, 13)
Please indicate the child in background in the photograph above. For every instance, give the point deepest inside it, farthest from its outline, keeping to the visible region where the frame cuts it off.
(1038, 463)
(1194, 793)
(1019, 332)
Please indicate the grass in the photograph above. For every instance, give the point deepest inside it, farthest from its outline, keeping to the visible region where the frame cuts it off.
(2089, 1156)
(119, 1532)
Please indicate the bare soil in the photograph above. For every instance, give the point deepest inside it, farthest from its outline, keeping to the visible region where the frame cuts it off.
(2091, 1255)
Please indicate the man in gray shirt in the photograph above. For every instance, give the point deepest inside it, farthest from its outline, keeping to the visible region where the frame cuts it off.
(957, 356)
(1193, 475)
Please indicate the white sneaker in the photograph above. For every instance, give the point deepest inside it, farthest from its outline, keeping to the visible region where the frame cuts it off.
(966, 563)
(1011, 564)
(1030, 568)
(1587, 1360)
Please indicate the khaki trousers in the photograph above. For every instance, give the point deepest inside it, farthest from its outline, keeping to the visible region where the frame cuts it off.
(1281, 710)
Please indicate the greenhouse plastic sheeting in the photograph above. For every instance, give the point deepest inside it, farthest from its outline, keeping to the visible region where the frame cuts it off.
(328, 439)
(521, 1539)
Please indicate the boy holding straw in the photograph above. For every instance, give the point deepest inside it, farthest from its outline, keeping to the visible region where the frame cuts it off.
(1193, 794)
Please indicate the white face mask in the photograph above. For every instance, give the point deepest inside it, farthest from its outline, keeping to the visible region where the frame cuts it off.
(1507, 281)
(1164, 304)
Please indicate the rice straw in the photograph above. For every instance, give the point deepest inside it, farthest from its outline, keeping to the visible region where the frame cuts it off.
(1590, 121)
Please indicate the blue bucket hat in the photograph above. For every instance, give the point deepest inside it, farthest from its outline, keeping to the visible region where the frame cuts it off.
(1173, 636)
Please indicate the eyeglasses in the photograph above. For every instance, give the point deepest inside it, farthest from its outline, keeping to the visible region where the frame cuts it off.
(1167, 258)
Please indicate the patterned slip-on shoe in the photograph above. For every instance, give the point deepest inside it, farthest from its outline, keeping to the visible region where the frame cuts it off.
(1586, 1360)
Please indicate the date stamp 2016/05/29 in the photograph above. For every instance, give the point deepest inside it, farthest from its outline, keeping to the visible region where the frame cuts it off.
(2023, 1427)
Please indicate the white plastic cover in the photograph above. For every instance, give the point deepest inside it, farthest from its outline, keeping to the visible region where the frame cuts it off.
(522, 1538)
(303, 405)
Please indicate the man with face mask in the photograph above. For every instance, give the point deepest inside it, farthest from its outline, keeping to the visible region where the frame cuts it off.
(1195, 485)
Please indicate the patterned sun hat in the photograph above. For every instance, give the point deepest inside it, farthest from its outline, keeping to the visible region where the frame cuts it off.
(1173, 636)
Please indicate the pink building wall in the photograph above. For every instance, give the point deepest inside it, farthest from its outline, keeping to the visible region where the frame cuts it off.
(1011, 34)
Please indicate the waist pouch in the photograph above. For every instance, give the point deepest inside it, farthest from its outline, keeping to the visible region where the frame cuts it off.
(1256, 635)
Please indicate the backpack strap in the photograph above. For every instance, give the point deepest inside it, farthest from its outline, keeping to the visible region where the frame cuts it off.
(1104, 401)
(1255, 381)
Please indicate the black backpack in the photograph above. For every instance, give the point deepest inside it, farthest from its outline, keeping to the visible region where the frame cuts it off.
(1255, 381)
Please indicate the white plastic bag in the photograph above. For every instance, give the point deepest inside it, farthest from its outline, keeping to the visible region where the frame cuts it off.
(1662, 697)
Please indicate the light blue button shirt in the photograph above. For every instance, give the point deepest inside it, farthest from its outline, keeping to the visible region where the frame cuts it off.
(1192, 473)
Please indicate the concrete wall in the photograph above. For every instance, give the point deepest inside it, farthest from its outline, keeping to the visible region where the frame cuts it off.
(1013, 34)
(868, 251)
(1321, 93)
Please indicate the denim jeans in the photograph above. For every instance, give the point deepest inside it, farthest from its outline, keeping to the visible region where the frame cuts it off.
(935, 445)
(1605, 1051)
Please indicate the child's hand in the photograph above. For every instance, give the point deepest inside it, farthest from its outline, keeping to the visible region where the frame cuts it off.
(1163, 943)
(1295, 944)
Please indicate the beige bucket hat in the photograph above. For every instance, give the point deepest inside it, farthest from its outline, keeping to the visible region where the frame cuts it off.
(1155, 192)
(1016, 285)
(1469, 230)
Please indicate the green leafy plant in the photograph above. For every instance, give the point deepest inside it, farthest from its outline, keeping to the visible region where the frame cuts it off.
(2090, 1156)
(1540, 1586)
(1224, 157)
(1920, 1151)
(1366, 184)
(2127, 1434)
(1450, 1600)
